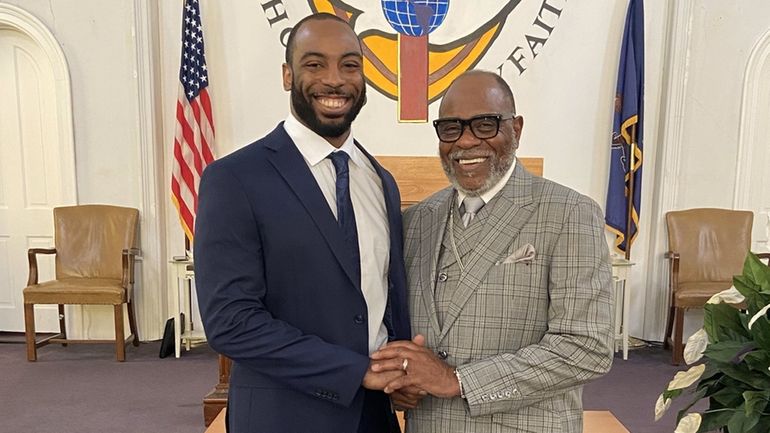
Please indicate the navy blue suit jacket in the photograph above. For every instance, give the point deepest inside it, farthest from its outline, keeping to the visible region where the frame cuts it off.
(276, 290)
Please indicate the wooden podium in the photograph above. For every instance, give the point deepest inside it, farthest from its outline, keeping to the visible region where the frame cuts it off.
(216, 400)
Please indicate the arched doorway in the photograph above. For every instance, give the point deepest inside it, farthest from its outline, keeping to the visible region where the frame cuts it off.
(37, 159)
(752, 186)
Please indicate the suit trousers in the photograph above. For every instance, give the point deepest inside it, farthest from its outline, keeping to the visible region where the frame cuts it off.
(377, 415)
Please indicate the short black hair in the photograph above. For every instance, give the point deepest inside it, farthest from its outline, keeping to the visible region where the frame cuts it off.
(500, 81)
(293, 33)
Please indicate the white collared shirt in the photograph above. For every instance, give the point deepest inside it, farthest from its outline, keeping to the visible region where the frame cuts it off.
(371, 215)
(492, 191)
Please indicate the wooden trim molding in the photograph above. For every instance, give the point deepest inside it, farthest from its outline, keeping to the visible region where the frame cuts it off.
(420, 176)
(151, 302)
(668, 166)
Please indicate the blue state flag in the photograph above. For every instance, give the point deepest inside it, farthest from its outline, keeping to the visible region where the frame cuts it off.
(626, 157)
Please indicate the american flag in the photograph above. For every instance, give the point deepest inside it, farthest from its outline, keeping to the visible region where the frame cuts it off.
(194, 135)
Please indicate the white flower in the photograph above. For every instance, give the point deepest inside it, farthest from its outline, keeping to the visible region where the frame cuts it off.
(661, 406)
(683, 379)
(689, 424)
(695, 346)
(759, 314)
(729, 296)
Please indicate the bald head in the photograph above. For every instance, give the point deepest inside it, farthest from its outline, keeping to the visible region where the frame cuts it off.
(490, 82)
(323, 16)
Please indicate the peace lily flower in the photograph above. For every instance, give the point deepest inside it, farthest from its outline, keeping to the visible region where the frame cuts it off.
(731, 345)
(683, 379)
(689, 424)
(661, 406)
(696, 344)
(759, 314)
(729, 296)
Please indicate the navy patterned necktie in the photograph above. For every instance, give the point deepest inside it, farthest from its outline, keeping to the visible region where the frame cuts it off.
(346, 217)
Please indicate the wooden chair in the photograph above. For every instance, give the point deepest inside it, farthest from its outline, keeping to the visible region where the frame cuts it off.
(707, 247)
(95, 253)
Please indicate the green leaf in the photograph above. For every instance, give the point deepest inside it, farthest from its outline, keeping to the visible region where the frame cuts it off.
(757, 361)
(725, 351)
(741, 422)
(761, 426)
(756, 401)
(728, 397)
(719, 317)
(713, 420)
(760, 332)
(757, 271)
(672, 394)
(745, 285)
(750, 380)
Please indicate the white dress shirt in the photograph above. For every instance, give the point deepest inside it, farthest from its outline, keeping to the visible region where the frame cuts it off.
(491, 192)
(371, 216)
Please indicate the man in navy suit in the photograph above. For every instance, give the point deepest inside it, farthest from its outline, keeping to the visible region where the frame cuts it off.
(298, 259)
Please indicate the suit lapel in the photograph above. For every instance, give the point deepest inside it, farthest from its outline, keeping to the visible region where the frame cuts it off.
(291, 166)
(433, 222)
(512, 209)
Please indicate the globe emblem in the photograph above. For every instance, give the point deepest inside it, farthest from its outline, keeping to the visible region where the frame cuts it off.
(415, 17)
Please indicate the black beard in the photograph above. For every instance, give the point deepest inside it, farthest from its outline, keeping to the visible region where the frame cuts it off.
(305, 112)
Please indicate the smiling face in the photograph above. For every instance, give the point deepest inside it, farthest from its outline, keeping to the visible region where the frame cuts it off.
(325, 77)
(475, 165)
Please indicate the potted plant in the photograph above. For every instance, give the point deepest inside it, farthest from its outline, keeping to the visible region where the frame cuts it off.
(735, 347)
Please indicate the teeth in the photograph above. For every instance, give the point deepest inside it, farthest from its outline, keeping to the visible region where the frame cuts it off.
(331, 102)
(472, 161)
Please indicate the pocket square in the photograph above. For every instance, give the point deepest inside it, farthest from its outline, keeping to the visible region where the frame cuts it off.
(525, 255)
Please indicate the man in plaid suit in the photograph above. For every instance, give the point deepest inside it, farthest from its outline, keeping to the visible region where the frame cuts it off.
(510, 284)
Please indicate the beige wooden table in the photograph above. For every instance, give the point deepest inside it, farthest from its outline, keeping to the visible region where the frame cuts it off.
(182, 303)
(620, 270)
(593, 422)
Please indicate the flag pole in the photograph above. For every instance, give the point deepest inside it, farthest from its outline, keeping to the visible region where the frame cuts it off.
(630, 195)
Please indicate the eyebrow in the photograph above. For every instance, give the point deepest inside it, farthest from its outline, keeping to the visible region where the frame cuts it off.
(355, 54)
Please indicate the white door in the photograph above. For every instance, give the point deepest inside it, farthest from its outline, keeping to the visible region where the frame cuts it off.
(29, 173)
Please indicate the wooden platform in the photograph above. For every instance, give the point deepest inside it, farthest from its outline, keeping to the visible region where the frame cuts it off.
(593, 422)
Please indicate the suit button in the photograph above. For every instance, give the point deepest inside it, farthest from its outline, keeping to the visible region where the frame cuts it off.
(359, 319)
(442, 277)
(442, 354)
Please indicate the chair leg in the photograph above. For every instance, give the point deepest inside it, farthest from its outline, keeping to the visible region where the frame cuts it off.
(669, 327)
(62, 324)
(120, 342)
(677, 352)
(29, 331)
(132, 323)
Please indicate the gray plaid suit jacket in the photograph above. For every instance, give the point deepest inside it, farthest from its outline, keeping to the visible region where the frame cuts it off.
(527, 335)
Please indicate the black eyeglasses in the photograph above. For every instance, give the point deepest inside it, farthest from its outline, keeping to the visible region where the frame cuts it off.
(484, 126)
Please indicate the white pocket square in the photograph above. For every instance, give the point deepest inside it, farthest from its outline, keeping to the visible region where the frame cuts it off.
(525, 255)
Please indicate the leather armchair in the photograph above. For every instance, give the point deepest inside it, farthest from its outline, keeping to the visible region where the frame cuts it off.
(95, 254)
(707, 247)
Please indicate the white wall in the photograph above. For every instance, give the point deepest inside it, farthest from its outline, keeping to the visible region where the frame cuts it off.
(98, 42)
(565, 95)
(710, 43)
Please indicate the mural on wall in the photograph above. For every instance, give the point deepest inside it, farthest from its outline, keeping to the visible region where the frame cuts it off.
(400, 61)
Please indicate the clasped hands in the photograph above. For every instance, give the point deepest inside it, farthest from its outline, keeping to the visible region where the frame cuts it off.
(409, 371)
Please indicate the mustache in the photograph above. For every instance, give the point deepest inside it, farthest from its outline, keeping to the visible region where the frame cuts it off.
(331, 92)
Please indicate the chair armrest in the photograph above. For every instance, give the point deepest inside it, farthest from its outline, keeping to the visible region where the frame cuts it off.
(764, 256)
(673, 277)
(32, 258)
(129, 259)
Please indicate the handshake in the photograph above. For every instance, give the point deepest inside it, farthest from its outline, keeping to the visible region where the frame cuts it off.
(408, 371)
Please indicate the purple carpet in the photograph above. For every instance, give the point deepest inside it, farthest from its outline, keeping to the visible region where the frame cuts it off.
(81, 389)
